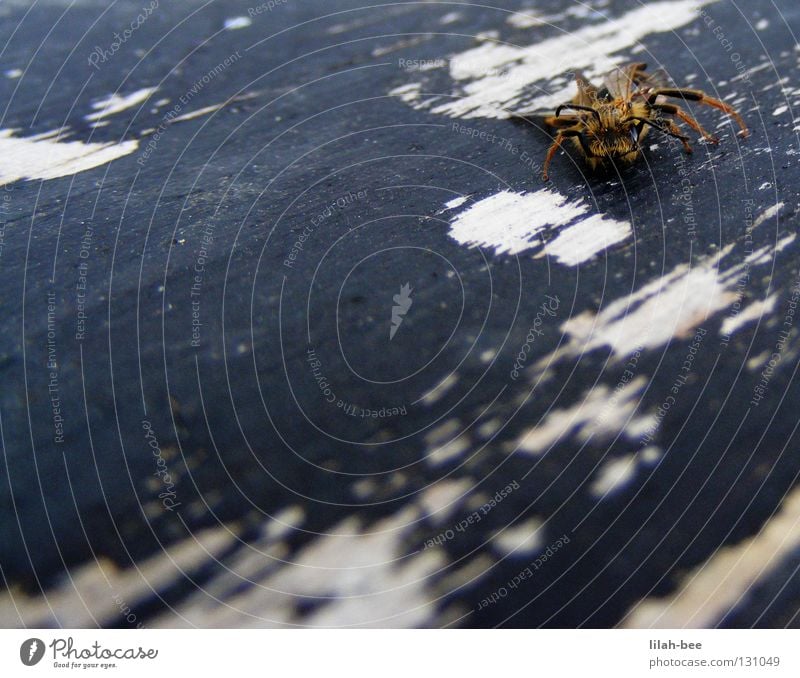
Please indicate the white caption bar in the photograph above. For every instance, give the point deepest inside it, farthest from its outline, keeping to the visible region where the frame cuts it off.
(400, 653)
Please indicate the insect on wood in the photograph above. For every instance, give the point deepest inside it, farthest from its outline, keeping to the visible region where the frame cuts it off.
(607, 124)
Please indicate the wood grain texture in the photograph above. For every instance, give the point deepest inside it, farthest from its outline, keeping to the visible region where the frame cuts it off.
(555, 433)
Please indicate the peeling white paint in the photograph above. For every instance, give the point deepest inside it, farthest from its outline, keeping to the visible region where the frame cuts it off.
(191, 115)
(284, 522)
(673, 305)
(766, 215)
(441, 389)
(716, 586)
(751, 313)
(450, 18)
(614, 475)
(116, 103)
(408, 93)
(456, 202)
(364, 573)
(617, 473)
(237, 22)
(493, 78)
(580, 242)
(45, 157)
(599, 413)
(520, 540)
(440, 500)
(525, 19)
(448, 451)
(511, 223)
(766, 254)
(86, 598)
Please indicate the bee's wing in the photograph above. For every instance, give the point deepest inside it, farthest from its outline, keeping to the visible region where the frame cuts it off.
(658, 78)
(621, 81)
(586, 96)
(587, 92)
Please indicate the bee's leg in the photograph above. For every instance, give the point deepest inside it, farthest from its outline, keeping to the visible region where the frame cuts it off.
(667, 127)
(672, 109)
(674, 131)
(562, 134)
(700, 97)
(562, 121)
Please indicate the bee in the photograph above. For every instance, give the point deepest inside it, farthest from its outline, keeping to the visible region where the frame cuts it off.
(607, 124)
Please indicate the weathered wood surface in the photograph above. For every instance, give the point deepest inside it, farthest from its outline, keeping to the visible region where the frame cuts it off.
(642, 453)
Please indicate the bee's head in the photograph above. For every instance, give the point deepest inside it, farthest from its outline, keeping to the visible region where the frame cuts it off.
(612, 133)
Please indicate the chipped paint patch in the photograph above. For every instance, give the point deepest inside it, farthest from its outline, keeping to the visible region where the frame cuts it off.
(440, 500)
(719, 584)
(455, 202)
(284, 522)
(191, 115)
(520, 540)
(767, 214)
(116, 103)
(86, 598)
(45, 157)
(672, 306)
(363, 576)
(751, 313)
(446, 442)
(591, 417)
(617, 473)
(511, 223)
(582, 241)
(526, 19)
(494, 78)
(441, 389)
(450, 18)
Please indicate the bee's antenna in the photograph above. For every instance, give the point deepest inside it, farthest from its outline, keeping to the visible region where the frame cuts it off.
(577, 107)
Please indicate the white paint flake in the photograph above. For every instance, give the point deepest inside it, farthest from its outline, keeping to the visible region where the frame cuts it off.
(767, 214)
(520, 540)
(191, 115)
(440, 500)
(510, 223)
(237, 22)
(751, 313)
(617, 473)
(363, 572)
(45, 157)
(720, 583)
(494, 77)
(600, 414)
(524, 19)
(116, 103)
(589, 236)
(456, 202)
(450, 18)
(441, 389)
(670, 306)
